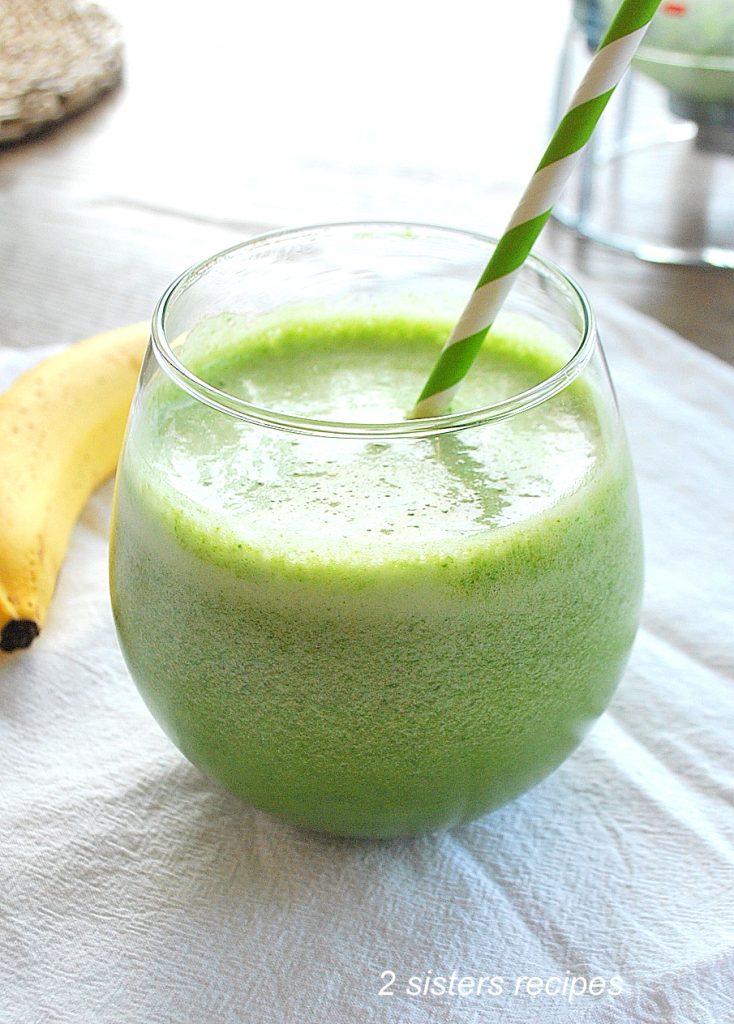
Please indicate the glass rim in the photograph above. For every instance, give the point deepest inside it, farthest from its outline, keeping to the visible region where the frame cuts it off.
(432, 426)
(653, 53)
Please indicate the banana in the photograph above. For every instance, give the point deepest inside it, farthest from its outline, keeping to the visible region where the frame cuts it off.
(61, 425)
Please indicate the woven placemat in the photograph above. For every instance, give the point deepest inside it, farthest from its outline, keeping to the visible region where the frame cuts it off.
(56, 58)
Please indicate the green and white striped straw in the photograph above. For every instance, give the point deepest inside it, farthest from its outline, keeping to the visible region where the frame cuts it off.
(611, 60)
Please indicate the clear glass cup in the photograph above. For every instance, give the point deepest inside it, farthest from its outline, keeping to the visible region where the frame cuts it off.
(364, 624)
(655, 178)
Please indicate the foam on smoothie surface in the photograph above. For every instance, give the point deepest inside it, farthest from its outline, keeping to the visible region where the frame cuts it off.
(362, 500)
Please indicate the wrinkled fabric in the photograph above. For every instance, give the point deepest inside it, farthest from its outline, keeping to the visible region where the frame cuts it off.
(132, 889)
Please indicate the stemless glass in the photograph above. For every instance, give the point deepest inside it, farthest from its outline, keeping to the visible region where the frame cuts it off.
(372, 628)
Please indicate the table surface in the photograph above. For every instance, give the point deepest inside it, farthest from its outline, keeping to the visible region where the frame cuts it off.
(222, 132)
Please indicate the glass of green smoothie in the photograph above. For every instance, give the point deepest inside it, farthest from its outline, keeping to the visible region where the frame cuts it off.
(364, 624)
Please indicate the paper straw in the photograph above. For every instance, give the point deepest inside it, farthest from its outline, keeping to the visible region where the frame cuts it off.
(611, 60)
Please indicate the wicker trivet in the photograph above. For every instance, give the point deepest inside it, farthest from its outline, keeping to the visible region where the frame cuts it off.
(56, 57)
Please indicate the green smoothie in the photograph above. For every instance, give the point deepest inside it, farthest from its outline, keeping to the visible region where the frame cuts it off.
(373, 636)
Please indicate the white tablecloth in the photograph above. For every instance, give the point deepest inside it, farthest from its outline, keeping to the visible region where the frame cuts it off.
(132, 890)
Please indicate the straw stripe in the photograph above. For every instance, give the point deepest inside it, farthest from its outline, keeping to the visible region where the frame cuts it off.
(543, 186)
(574, 131)
(631, 15)
(601, 78)
(513, 247)
(474, 318)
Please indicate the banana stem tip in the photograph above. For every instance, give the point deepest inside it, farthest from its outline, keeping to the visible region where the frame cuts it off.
(18, 633)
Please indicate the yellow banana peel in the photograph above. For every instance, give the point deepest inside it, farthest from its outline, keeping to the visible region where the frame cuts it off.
(62, 425)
